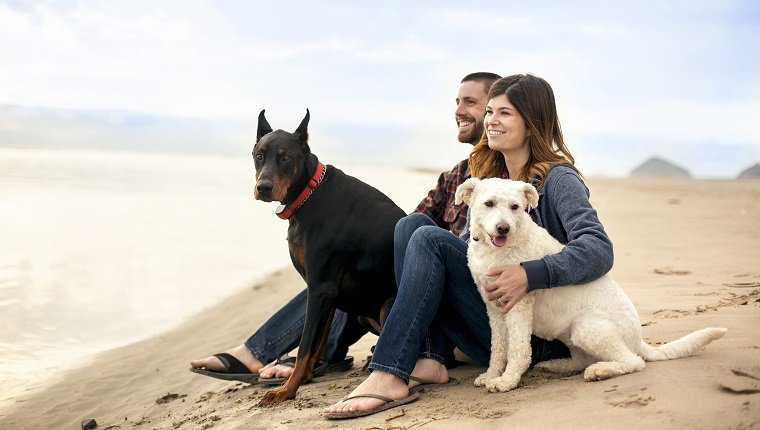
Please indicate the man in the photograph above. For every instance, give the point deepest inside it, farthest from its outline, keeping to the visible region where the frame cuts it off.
(282, 332)
(471, 110)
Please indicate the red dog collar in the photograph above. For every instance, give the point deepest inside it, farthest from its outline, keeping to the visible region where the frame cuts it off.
(286, 212)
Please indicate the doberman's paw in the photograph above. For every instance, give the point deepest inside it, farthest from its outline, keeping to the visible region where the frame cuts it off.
(275, 397)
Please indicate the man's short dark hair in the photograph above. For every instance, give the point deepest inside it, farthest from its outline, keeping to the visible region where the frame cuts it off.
(485, 78)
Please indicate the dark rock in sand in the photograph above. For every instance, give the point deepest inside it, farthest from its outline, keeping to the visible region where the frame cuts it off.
(658, 168)
(89, 424)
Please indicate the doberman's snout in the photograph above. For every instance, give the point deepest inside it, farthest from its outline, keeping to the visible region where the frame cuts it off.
(502, 229)
(264, 188)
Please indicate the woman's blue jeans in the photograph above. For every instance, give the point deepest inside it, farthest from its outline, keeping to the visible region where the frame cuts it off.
(437, 300)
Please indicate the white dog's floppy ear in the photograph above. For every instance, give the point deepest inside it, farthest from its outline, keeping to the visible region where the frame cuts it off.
(464, 191)
(531, 195)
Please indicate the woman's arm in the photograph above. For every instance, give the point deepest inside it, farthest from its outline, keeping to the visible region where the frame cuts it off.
(588, 253)
(569, 217)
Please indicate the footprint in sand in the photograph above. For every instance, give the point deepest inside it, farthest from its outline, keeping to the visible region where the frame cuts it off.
(670, 313)
(741, 382)
(634, 400)
(670, 271)
(743, 285)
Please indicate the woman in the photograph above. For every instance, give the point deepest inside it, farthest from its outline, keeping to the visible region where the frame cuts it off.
(437, 300)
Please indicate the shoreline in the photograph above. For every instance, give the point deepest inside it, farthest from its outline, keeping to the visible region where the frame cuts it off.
(55, 374)
(130, 253)
(686, 254)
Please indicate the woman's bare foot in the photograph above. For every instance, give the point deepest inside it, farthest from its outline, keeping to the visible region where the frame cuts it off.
(391, 386)
(240, 352)
(429, 370)
(378, 382)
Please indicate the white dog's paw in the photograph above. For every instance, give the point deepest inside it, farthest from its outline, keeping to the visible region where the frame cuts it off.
(482, 379)
(502, 384)
(486, 377)
(599, 372)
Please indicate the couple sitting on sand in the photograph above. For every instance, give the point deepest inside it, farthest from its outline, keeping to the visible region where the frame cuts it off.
(513, 124)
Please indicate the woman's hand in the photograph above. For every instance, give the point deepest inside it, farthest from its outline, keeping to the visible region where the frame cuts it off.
(510, 285)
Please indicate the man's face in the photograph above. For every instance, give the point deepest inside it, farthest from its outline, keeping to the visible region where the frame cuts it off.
(471, 109)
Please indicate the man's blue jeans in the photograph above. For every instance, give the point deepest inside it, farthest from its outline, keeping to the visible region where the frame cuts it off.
(282, 333)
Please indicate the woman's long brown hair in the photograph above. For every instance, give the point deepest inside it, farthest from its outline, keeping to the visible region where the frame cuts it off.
(534, 100)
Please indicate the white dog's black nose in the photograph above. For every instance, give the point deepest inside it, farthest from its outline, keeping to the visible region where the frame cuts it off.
(502, 229)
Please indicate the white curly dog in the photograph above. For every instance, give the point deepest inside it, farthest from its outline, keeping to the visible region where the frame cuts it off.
(597, 321)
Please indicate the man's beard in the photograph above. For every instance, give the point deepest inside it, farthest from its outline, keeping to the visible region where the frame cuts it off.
(473, 137)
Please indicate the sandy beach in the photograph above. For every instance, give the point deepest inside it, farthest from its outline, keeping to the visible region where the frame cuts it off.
(687, 253)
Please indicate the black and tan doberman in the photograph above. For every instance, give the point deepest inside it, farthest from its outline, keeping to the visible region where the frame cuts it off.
(340, 237)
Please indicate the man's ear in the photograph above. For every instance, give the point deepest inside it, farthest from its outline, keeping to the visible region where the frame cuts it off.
(464, 191)
(264, 127)
(302, 132)
(531, 195)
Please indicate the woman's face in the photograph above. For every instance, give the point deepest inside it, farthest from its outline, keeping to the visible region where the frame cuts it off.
(505, 127)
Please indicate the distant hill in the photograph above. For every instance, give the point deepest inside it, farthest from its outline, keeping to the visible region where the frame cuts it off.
(750, 172)
(657, 167)
(39, 127)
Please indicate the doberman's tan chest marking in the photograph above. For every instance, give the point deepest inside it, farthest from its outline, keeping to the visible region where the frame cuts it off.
(296, 246)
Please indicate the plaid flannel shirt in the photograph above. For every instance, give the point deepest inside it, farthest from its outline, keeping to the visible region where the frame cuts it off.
(439, 203)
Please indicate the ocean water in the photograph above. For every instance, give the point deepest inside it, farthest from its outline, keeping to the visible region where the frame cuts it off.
(101, 249)
(98, 250)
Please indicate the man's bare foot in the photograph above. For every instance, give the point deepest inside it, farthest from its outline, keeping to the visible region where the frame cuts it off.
(429, 370)
(378, 382)
(274, 370)
(240, 352)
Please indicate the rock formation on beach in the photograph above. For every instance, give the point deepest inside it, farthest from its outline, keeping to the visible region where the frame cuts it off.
(750, 172)
(658, 167)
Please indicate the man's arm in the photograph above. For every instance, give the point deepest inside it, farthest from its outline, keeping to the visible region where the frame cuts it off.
(439, 203)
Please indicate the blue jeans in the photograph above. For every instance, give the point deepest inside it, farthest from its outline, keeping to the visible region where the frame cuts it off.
(281, 333)
(437, 300)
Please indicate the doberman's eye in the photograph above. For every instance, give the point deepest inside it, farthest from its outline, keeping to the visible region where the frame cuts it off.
(489, 204)
(285, 157)
(514, 206)
(259, 156)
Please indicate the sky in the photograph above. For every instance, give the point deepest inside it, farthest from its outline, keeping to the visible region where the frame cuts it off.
(632, 79)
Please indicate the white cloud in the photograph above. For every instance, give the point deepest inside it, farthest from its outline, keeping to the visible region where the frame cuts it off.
(670, 120)
(410, 50)
(675, 74)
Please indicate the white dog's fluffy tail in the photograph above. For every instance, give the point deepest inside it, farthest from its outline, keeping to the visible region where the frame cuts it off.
(683, 347)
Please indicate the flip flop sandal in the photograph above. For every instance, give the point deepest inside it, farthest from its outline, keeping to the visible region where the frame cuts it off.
(320, 370)
(389, 403)
(423, 384)
(234, 370)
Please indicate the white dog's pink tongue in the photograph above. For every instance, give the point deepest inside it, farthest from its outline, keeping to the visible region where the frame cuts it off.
(499, 240)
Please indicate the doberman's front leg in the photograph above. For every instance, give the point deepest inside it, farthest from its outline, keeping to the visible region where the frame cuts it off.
(320, 309)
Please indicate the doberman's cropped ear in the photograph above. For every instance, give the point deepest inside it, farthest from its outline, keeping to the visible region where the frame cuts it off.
(464, 191)
(264, 126)
(302, 131)
(531, 195)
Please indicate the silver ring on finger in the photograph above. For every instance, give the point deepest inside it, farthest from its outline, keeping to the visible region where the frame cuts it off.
(500, 301)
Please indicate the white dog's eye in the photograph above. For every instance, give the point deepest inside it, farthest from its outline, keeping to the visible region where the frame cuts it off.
(489, 204)
(514, 207)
